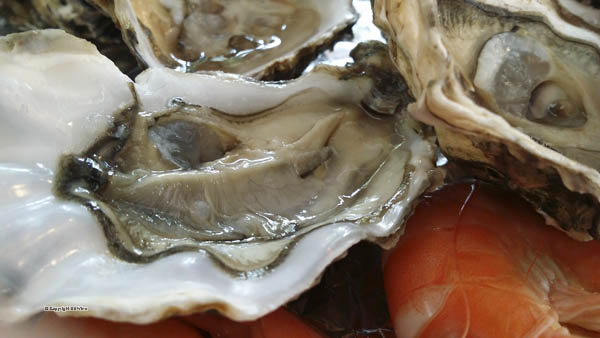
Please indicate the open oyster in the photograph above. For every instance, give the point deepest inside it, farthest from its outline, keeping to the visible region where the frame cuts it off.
(511, 88)
(230, 194)
(257, 38)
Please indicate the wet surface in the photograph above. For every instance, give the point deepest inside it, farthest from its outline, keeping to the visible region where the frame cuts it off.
(350, 300)
(363, 30)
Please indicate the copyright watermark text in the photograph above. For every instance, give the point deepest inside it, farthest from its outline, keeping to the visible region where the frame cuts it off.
(65, 308)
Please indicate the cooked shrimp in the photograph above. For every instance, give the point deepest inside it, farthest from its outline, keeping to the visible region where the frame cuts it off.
(477, 262)
(278, 324)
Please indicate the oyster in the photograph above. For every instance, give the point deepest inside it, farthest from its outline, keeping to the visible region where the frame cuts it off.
(510, 87)
(275, 184)
(266, 39)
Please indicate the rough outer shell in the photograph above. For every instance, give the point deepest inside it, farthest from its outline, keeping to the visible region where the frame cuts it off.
(57, 95)
(167, 16)
(77, 17)
(435, 47)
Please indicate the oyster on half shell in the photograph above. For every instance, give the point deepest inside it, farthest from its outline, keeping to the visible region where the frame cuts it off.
(264, 38)
(511, 88)
(228, 193)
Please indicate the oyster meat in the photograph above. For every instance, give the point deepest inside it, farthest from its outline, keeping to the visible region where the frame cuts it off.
(194, 174)
(266, 38)
(235, 203)
(511, 88)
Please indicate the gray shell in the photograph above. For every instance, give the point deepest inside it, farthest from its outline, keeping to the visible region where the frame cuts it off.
(511, 89)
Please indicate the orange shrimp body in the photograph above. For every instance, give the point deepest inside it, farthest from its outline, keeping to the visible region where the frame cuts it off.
(477, 262)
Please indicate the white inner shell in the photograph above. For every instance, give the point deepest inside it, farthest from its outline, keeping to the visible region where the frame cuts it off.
(57, 95)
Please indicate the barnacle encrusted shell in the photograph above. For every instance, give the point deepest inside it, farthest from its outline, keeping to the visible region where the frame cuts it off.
(74, 16)
(59, 96)
(77, 17)
(265, 39)
(511, 88)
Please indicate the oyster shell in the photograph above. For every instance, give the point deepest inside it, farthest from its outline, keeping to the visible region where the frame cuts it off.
(510, 87)
(59, 97)
(77, 17)
(267, 39)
